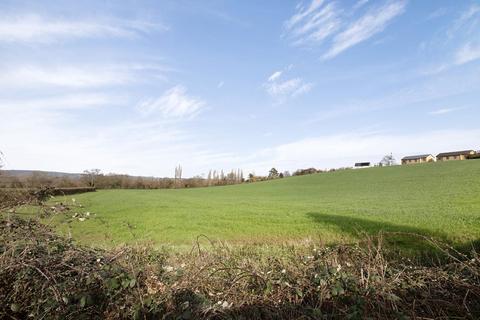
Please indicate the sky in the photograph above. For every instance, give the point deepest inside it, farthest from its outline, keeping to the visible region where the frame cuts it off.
(138, 87)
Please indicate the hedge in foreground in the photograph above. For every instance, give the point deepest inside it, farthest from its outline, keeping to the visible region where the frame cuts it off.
(46, 276)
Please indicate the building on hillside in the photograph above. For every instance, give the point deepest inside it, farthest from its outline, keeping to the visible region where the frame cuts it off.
(455, 155)
(421, 158)
(359, 165)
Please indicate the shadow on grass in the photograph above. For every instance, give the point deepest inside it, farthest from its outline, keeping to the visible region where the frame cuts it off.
(409, 240)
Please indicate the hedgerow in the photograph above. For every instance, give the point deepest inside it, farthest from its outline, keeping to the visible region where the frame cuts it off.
(45, 276)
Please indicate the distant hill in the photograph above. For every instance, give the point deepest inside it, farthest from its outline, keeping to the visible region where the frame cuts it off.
(26, 173)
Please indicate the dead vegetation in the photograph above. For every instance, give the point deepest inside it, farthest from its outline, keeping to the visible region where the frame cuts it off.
(44, 276)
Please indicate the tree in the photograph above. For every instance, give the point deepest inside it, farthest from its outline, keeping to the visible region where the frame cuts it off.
(178, 174)
(92, 176)
(209, 178)
(273, 174)
(387, 161)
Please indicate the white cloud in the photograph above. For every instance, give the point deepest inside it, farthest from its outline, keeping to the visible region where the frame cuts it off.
(467, 53)
(33, 28)
(314, 24)
(220, 84)
(440, 12)
(48, 139)
(174, 104)
(444, 111)
(466, 23)
(275, 76)
(65, 102)
(76, 76)
(359, 4)
(429, 91)
(338, 150)
(62, 76)
(322, 20)
(303, 12)
(365, 27)
(283, 89)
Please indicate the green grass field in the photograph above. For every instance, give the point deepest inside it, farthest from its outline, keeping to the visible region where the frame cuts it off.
(439, 199)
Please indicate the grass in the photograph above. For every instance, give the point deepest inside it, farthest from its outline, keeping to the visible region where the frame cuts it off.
(440, 200)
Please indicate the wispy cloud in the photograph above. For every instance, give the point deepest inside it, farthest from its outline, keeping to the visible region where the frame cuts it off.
(313, 24)
(466, 23)
(467, 53)
(34, 28)
(365, 27)
(74, 76)
(443, 111)
(281, 89)
(440, 12)
(459, 44)
(175, 103)
(322, 20)
(64, 102)
(359, 4)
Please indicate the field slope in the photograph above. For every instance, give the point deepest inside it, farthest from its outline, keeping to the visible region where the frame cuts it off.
(440, 199)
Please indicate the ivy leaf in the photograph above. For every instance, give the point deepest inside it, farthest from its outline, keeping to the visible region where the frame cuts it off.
(83, 301)
(113, 284)
(132, 283)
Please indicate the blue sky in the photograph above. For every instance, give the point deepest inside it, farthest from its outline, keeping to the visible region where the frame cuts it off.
(138, 87)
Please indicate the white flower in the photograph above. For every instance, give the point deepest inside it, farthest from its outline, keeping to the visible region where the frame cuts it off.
(168, 268)
(81, 219)
(284, 271)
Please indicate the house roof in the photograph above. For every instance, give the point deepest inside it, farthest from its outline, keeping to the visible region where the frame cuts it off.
(420, 156)
(455, 153)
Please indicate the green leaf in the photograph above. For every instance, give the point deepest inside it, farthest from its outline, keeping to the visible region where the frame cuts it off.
(83, 301)
(113, 283)
(299, 293)
(132, 283)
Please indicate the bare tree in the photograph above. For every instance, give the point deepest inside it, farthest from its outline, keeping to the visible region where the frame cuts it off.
(209, 178)
(2, 161)
(92, 176)
(178, 175)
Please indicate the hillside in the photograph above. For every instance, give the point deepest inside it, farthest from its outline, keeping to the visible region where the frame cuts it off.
(28, 173)
(439, 199)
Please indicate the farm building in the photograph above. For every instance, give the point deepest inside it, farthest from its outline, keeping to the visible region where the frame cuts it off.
(418, 159)
(362, 165)
(455, 155)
